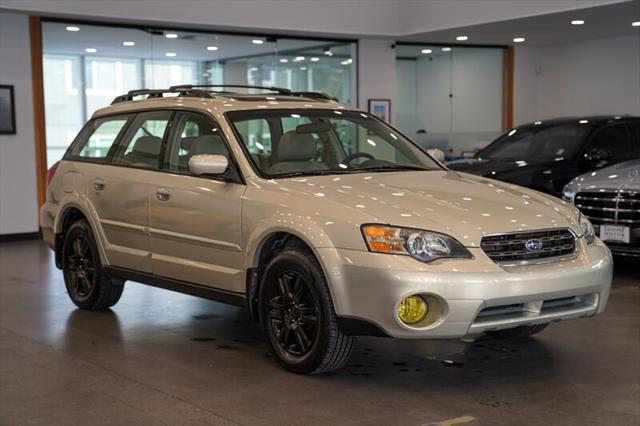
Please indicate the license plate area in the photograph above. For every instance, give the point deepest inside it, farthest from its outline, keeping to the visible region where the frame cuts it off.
(616, 233)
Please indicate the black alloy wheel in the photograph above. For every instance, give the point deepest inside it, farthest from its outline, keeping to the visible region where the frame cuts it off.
(293, 314)
(80, 268)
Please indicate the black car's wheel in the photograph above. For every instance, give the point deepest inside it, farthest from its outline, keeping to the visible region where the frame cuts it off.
(298, 317)
(517, 332)
(87, 284)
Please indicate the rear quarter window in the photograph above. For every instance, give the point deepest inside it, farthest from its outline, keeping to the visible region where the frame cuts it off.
(96, 139)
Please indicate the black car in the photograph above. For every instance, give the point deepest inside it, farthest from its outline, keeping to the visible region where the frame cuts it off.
(546, 155)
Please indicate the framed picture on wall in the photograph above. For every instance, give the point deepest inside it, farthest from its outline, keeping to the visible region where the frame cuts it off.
(381, 108)
(7, 111)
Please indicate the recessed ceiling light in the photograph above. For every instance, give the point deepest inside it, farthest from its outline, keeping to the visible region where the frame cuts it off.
(90, 50)
(298, 59)
(303, 68)
(170, 54)
(314, 59)
(577, 22)
(346, 61)
(73, 29)
(446, 49)
(212, 47)
(128, 43)
(462, 38)
(171, 35)
(425, 51)
(284, 60)
(257, 41)
(635, 24)
(583, 121)
(328, 52)
(518, 40)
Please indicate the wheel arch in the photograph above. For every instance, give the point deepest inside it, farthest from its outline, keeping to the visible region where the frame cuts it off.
(69, 214)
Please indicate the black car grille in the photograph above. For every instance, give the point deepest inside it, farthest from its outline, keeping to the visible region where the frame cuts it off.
(619, 207)
(511, 248)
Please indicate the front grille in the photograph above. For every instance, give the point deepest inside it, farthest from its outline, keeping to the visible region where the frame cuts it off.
(619, 207)
(512, 248)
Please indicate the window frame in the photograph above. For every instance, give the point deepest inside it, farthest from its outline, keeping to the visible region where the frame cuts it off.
(68, 156)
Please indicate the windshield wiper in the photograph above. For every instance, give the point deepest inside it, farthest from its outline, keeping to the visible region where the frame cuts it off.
(391, 167)
(315, 173)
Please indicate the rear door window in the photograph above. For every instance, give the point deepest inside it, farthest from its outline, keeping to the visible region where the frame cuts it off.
(97, 138)
(142, 144)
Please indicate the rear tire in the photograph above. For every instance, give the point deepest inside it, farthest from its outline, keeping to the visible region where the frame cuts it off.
(298, 317)
(87, 284)
(518, 332)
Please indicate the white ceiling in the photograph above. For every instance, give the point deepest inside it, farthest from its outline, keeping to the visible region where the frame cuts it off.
(188, 46)
(601, 21)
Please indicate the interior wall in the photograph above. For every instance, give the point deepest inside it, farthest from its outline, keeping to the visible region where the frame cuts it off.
(588, 78)
(376, 73)
(18, 193)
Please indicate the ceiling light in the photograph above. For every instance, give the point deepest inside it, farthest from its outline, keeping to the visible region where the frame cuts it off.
(446, 49)
(328, 52)
(577, 22)
(257, 41)
(284, 60)
(635, 24)
(170, 54)
(90, 50)
(171, 35)
(314, 59)
(253, 69)
(128, 43)
(346, 62)
(73, 29)
(462, 38)
(212, 47)
(303, 68)
(518, 40)
(298, 59)
(425, 51)
(583, 121)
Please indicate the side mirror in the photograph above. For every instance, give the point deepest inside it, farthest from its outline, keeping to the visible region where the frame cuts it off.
(207, 164)
(597, 154)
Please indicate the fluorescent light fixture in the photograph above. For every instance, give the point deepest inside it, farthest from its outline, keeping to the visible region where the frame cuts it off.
(128, 43)
(635, 24)
(518, 40)
(583, 121)
(462, 38)
(425, 51)
(298, 59)
(171, 35)
(212, 48)
(90, 50)
(73, 29)
(346, 61)
(446, 49)
(170, 54)
(257, 41)
(314, 59)
(577, 22)
(284, 60)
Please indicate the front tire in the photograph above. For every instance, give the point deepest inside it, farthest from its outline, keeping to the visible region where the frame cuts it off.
(518, 332)
(298, 317)
(87, 284)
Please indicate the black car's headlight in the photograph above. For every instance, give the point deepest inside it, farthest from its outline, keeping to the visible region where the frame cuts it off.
(588, 233)
(425, 246)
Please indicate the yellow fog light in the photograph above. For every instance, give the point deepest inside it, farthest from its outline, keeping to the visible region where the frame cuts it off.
(412, 309)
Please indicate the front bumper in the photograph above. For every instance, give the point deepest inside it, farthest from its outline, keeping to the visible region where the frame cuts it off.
(475, 295)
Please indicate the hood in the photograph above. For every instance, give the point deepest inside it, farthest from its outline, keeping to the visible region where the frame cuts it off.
(461, 205)
(625, 176)
(499, 168)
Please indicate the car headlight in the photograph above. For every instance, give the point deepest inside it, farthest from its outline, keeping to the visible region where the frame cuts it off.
(425, 246)
(588, 233)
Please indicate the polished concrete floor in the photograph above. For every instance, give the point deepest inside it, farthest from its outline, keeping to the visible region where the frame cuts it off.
(162, 358)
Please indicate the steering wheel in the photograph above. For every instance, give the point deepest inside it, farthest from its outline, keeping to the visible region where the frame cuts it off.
(350, 158)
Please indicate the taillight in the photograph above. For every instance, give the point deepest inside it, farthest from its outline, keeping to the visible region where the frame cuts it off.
(52, 171)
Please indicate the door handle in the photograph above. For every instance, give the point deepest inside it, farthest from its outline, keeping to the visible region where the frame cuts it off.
(98, 184)
(163, 195)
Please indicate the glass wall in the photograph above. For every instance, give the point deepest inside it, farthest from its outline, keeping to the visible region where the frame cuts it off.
(86, 66)
(449, 98)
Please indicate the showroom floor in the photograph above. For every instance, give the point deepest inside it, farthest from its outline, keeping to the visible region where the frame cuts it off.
(162, 358)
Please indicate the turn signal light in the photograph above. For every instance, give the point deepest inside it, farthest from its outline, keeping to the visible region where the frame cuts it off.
(412, 310)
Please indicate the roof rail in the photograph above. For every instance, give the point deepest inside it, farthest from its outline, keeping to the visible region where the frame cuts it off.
(315, 95)
(279, 90)
(158, 93)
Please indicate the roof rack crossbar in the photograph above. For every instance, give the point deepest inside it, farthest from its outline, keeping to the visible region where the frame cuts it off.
(159, 93)
(280, 90)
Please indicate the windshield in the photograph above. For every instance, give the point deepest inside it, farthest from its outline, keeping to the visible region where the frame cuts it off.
(302, 142)
(537, 142)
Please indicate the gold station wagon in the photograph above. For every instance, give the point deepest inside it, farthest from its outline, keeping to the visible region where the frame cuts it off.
(324, 221)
